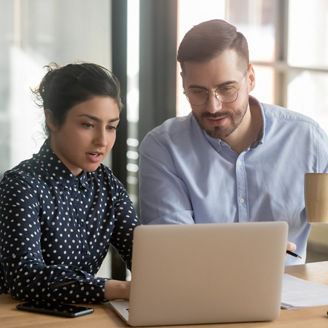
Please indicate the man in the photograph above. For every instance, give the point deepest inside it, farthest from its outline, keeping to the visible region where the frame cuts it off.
(233, 159)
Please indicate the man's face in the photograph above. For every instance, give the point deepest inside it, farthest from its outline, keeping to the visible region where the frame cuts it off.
(217, 118)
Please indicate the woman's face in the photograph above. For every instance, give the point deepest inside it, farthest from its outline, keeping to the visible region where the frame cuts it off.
(87, 134)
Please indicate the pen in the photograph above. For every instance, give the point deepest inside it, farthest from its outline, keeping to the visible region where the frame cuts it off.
(294, 254)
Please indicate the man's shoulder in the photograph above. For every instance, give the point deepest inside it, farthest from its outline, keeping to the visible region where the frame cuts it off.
(282, 114)
(173, 125)
(173, 129)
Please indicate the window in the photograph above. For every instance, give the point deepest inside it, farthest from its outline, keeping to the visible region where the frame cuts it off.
(308, 59)
(33, 34)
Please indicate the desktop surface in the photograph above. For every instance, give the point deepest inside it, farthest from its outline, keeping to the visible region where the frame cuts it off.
(104, 317)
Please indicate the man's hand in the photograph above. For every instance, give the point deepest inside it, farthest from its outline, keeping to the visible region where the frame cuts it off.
(291, 246)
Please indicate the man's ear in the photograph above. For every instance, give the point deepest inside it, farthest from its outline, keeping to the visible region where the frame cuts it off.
(50, 120)
(182, 78)
(251, 78)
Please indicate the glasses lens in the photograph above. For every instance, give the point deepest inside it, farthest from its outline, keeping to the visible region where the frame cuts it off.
(197, 96)
(227, 94)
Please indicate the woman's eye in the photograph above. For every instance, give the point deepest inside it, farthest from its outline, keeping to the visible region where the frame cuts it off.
(87, 125)
(111, 127)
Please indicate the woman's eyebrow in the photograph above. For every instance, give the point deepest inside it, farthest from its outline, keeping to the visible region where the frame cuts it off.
(94, 118)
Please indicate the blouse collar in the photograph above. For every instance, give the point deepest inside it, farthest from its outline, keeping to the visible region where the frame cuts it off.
(56, 169)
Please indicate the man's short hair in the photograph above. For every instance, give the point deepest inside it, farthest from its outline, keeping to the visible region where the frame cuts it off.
(209, 39)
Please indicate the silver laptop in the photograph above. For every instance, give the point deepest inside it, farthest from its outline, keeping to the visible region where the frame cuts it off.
(205, 273)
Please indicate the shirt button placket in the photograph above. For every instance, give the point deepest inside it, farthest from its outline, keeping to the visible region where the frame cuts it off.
(81, 222)
(241, 183)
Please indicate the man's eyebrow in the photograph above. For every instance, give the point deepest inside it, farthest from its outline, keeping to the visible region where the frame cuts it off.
(224, 84)
(196, 86)
(94, 118)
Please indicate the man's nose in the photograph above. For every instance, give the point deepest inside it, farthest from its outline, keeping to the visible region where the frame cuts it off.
(214, 103)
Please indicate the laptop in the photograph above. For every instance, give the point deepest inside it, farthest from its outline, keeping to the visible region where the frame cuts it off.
(205, 273)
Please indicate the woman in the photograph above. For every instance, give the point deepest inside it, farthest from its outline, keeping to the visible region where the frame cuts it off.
(61, 209)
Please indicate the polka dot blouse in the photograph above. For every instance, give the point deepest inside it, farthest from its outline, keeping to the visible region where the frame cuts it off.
(55, 230)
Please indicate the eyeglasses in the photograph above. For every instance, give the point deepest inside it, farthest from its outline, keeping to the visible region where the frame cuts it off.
(198, 96)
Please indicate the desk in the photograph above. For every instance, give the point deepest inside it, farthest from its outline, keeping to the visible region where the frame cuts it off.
(104, 317)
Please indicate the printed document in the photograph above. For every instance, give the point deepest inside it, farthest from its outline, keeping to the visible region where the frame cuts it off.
(298, 293)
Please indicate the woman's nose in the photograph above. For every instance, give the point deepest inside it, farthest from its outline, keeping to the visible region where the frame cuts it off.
(100, 137)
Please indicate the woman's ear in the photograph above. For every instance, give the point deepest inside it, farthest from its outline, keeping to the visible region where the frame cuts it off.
(50, 120)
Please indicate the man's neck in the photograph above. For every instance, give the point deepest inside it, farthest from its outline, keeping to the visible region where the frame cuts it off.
(248, 131)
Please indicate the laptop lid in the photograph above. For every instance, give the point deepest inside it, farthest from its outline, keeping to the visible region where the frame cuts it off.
(206, 273)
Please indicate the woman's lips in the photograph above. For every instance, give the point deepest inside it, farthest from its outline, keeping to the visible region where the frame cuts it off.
(94, 156)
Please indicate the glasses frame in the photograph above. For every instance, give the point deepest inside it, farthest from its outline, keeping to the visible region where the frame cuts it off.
(216, 94)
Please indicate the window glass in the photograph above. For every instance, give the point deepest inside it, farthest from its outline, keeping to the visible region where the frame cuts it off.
(33, 34)
(264, 84)
(255, 19)
(308, 33)
(6, 39)
(307, 93)
(192, 12)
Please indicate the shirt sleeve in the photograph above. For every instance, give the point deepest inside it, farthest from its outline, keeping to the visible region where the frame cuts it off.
(125, 222)
(26, 274)
(163, 194)
(321, 146)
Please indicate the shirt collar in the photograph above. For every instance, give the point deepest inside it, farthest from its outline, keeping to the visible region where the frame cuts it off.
(260, 137)
(56, 169)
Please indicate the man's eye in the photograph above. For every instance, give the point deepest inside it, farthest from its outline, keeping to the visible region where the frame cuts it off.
(226, 90)
(197, 91)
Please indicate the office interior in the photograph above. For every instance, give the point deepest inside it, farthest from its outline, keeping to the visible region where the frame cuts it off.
(137, 40)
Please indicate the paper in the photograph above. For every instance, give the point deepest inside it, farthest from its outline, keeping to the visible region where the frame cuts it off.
(298, 293)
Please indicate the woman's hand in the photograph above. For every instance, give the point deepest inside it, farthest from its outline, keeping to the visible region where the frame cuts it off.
(117, 289)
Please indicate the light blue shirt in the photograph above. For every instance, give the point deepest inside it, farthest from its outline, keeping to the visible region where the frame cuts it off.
(188, 177)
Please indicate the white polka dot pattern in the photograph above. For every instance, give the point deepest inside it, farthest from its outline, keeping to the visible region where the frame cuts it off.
(55, 230)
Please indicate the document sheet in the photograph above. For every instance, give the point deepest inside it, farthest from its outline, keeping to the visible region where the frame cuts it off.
(297, 293)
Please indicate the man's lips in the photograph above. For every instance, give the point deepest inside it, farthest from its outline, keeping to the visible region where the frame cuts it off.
(216, 115)
(218, 118)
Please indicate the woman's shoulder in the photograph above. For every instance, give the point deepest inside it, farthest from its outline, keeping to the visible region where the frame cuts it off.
(25, 173)
(106, 175)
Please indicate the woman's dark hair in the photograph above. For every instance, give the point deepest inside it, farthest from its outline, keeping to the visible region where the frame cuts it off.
(64, 87)
(208, 40)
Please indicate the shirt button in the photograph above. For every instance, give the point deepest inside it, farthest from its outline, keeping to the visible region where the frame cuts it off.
(242, 200)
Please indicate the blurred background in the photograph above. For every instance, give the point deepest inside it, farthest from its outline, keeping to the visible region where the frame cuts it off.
(138, 39)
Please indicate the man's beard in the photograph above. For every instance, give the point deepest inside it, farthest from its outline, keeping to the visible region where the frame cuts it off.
(217, 131)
